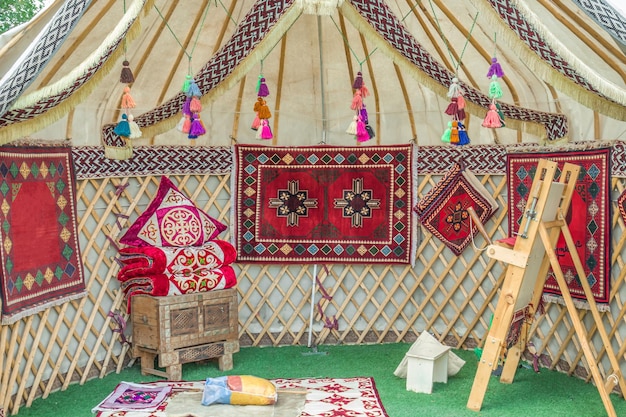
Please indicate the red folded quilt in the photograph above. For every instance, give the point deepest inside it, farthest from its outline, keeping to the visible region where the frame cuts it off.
(159, 285)
(152, 261)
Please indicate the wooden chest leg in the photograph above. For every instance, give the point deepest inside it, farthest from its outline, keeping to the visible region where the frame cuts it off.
(147, 362)
(175, 372)
(225, 362)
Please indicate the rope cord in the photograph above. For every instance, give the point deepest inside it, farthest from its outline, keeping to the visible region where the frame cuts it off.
(445, 40)
(195, 43)
(345, 40)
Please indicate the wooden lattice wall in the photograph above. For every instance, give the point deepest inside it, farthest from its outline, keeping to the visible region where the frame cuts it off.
(452, 297)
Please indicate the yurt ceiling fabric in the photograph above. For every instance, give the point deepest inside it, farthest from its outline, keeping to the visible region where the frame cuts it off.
(564, 69)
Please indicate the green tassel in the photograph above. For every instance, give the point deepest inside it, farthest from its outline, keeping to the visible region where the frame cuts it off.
(446, 134)
(495, 91)
(187, 84)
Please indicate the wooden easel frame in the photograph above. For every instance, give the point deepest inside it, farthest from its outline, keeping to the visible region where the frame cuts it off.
(527, 267)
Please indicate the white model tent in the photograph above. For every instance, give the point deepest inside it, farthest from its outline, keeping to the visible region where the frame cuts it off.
(563, 61)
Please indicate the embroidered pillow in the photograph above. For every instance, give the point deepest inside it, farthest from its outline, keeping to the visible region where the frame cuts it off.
(443, 210)
(172, 220)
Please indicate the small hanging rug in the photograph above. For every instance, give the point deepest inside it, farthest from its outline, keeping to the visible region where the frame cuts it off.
(308, 397)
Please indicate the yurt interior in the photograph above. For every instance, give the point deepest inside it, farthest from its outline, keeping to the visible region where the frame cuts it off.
(173, 244)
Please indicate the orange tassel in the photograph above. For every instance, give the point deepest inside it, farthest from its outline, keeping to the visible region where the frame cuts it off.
(127, 99)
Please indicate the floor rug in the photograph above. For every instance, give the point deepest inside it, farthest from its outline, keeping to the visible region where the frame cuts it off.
(325, 397)
(588, 219)
(323, 204)
(41, 262)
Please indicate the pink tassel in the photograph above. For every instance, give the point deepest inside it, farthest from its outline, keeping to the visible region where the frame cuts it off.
(358, 81)
(195, 106)
(357, 101)
(127, 99)
(492, 120)
(361, 132)
(495, 69)
(266, 131)
(256, 122)
(186, 124)
(460, 101)
(364, 91)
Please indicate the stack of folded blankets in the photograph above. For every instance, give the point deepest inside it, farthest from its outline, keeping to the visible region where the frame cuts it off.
(172, 249)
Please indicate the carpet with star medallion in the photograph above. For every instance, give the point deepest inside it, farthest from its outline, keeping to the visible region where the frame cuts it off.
(323, 204)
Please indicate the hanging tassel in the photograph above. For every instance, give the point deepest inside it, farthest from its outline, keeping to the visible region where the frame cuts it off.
(127, 99)
(187, 84)
(445, 138)
(186, 124)
(195, 106)
(454, 90)
(454, 133)
(256, 122)
(364, 91)
(357, 101)
(181, 123)
(460, 114)
(264, 111)
(358, 81)
(122, 128)
(126, 75)
(135, 131)
(495, 91)
(361, 132)
(363, 114)
(492, 120)
(194, 90)
(266, 131)
(460, 102)
(495, 69)
(197, 127)
(500, 114)
(257, 105)
(186, 106)
(453, 107)
(370, 131)
(463, 136)
(259, 131)
(351, 130)
(263, 91)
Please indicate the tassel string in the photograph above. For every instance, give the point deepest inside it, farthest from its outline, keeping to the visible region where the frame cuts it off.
(345, 41)
(447, 44)
(189, 55)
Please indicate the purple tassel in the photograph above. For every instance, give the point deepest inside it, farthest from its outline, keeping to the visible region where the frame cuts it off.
(186, 106)
(197, 127)
(364, 114)
(358, 81)
(495, 69)
(263, 90)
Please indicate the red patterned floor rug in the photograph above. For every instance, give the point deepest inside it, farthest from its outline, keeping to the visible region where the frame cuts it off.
(588, 219)
(41, 262)
(324, 397)
(323, 204)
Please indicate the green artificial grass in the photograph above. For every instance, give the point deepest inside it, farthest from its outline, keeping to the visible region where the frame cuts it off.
(548, 393)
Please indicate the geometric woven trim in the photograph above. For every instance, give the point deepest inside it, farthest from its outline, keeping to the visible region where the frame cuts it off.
(35, 58)
(91, 162)
(606, 16)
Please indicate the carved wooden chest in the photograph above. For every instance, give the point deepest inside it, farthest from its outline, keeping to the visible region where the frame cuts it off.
(184, 328)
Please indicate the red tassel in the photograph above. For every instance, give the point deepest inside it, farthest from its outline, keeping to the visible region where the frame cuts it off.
(127, 99)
